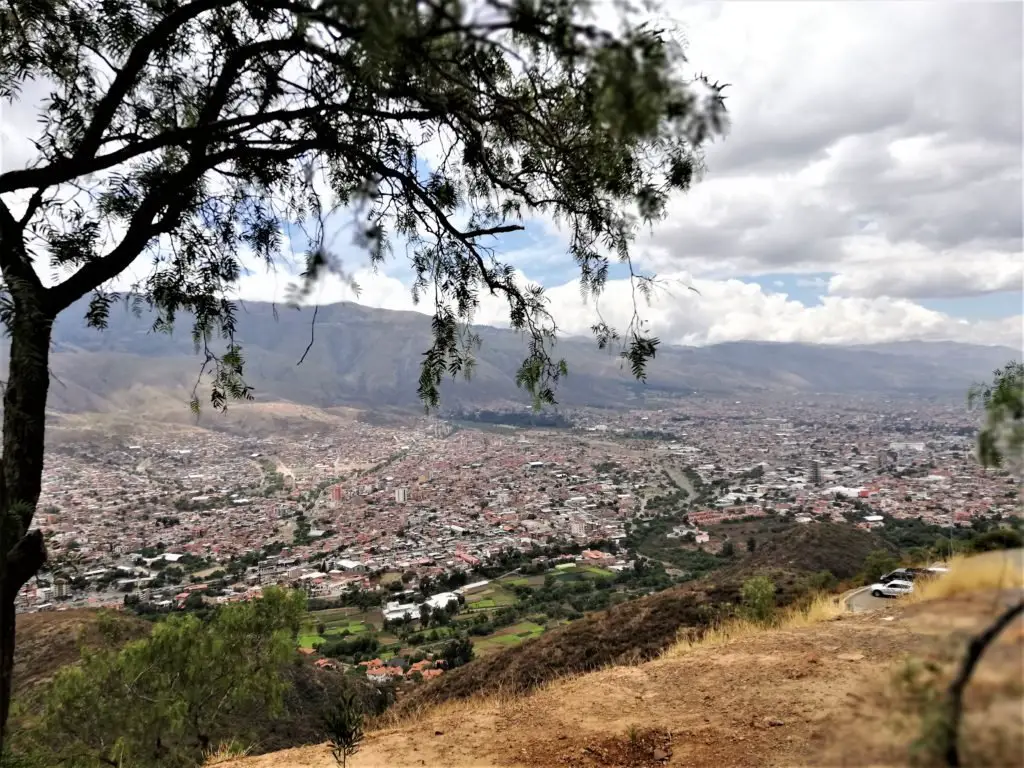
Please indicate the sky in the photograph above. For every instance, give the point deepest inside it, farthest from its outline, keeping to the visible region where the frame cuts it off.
(869, 189)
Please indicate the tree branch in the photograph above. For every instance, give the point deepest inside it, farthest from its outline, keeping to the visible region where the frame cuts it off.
(956, 689)
(133, 66)
(145, 227)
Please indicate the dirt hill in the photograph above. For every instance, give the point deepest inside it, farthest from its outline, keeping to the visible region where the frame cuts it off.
(851, 689)
(47, 641)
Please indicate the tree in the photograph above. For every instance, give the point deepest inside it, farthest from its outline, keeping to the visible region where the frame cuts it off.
(728, 548)
(344, 726)
(751, 544)
(165, 700)
(457, 652)
(424, 615)
(758, 599)
(1002, 437)
(877, 564)
(291, 112)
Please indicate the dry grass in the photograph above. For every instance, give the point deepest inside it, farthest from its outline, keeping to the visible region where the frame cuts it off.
(980, 573)
(504, 702)
(822, 608)
(226, 752)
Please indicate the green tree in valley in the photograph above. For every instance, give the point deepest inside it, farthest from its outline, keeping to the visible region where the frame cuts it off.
(457, 652)
(189, 132)
(166, 700)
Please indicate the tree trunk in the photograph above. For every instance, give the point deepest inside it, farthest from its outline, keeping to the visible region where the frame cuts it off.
(22, 554)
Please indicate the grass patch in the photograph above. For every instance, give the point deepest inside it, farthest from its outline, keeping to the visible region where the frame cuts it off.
(509, 636)
(822, 608)
(492, 597)
(981, 573)
(333, 615)
(352, 627)
(310, 641)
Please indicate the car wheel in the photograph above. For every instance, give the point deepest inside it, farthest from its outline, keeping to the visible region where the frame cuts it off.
(877, 593)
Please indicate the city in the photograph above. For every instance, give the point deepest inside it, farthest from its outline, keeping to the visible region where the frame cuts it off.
(157, 517)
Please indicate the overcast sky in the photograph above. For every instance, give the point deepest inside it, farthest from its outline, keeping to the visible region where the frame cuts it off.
(869, 189)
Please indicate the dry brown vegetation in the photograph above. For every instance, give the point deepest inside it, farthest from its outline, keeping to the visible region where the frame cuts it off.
(821, 688)
(50, 640)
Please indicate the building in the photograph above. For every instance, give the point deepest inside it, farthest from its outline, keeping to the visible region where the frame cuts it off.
(401, 495)
(61, 588)
(815, 473)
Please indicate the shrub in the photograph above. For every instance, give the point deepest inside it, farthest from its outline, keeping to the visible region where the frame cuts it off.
(758, 599)
(344, 727)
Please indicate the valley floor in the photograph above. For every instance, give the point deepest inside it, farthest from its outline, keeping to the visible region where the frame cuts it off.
(824, 694)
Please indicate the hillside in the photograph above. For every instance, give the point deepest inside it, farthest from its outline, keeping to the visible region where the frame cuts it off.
(49, 640)
(794, 548)
(643, 628)
(369, 358)
(845, 689)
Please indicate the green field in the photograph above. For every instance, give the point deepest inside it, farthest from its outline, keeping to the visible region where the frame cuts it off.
(508, 636)
(522, 581)
(310, 640)
(491, 597)
(577, 573)
(336, 621)
(352, 627)
(333, 615)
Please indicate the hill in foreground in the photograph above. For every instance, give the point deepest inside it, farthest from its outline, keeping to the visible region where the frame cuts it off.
(50, 640)
(850, 690)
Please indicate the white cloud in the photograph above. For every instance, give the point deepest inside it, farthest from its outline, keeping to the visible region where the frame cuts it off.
(723, 310)
(877, 143)
(912, 271)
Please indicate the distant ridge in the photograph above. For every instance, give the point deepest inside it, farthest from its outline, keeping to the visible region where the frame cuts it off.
(369, 358)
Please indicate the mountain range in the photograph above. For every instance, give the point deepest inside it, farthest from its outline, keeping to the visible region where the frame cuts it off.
(369, 359)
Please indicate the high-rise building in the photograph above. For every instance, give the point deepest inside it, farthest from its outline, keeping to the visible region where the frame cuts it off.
(401, 495)
(61, 588)
(336, 493)
(815, 473)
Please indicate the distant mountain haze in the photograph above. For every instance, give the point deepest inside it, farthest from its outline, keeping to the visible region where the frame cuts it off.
(369, 358)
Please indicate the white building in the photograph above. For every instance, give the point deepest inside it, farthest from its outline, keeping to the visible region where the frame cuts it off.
(401, 495)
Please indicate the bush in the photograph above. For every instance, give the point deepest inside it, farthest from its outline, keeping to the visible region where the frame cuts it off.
(167, 699)
(758, 599)
(344, 727)
(877, 564)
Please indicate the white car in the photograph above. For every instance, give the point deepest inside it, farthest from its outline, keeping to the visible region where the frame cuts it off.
(895, 588)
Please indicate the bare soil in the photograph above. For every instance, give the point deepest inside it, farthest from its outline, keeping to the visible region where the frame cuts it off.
(827, 694)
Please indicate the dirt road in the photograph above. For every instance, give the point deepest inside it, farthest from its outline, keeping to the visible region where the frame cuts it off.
(863, 600)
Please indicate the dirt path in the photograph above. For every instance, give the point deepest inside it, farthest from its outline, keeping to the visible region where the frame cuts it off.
(785, 698)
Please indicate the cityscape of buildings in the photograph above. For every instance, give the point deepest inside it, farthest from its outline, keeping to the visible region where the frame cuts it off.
(164, 514)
